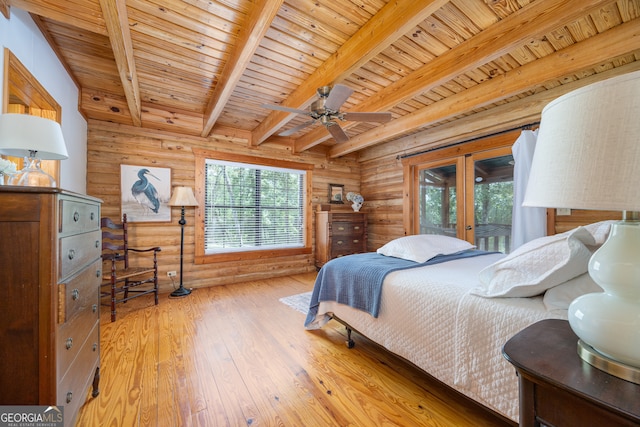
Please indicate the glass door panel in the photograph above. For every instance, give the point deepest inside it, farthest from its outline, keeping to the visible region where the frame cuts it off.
(438, 199)
(493, 202)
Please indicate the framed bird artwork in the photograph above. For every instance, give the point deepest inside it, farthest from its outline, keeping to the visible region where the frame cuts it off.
(145, 193)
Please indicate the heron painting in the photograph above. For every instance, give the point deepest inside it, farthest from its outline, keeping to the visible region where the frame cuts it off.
(145, 193)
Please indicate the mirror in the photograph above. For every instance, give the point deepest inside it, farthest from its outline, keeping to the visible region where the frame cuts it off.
(23, 94)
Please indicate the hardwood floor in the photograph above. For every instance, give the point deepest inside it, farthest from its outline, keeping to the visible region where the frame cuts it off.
(236, 356)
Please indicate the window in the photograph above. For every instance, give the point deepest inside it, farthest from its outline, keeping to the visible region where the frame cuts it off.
(251, 206)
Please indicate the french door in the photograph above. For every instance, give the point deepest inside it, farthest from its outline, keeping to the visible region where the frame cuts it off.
(468, 196)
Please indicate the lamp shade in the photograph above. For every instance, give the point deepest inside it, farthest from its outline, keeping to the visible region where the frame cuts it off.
(587, 154)
(22, 134)
(183, 196)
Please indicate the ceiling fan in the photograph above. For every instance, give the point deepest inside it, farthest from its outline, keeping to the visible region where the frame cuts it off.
(326, 109)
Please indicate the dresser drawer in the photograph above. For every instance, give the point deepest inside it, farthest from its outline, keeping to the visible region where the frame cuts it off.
(72, 387)
(344, 246)
(340, 228)
(77, 217)
(77, 251)
(80, 293)
(72, 335)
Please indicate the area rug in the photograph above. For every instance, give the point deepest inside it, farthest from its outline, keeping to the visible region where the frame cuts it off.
(299, 302)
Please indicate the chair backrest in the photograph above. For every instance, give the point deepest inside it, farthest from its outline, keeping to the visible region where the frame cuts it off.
(115, 240)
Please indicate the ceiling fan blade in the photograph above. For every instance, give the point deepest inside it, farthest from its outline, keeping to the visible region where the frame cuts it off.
(287, 109)
(338, 95)
(296, 128)
(336, 131)
(367, 117)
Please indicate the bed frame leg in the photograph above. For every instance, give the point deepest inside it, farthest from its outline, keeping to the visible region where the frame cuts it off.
(350, 343)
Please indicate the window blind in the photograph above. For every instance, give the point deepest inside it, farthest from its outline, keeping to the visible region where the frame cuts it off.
(252, 207)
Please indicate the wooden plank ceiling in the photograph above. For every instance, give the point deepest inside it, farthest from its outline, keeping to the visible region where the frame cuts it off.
(197, 66)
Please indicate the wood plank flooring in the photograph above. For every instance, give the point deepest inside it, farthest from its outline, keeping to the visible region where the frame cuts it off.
(236, 356)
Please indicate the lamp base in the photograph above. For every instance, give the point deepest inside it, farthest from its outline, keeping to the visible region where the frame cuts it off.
(180, 292)
(32, 175)
(607, 364)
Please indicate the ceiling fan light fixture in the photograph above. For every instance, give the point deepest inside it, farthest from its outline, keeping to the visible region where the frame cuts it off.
(327, 108)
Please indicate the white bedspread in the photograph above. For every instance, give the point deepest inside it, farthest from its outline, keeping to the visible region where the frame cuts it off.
(428, 317)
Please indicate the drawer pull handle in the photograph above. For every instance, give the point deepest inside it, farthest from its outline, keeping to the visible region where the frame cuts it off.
(76, 216)
(98, 273)
(97, 243)
(72, 253)
(94, 307)
(94, 347)
(341, 228)
(339, 242)
(69, 397)
(356, 228)
(92, 216)
(356, 241)
(75, 294)
(69, 343)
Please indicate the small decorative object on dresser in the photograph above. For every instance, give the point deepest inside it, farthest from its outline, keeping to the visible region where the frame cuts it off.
(51, 268)
(356, 200)
(336, 193)
(7, 168)
(339, 232)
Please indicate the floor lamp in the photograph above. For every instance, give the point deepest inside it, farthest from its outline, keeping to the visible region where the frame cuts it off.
(182, 196)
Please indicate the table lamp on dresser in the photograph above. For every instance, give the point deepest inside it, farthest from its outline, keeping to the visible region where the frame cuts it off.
(34, 138)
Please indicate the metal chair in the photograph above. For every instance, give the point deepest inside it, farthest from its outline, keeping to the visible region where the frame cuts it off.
(127, 272)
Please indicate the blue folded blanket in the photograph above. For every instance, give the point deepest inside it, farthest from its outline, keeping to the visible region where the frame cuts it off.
(356, 280)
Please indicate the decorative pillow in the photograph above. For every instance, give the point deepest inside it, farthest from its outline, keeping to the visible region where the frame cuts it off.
(422, 247)
(559, 297)
(537, 265)
(600, 230)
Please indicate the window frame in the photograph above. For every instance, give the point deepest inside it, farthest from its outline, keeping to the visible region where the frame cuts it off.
(201, 257)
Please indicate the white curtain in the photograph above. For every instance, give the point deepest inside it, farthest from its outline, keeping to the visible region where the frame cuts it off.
(527, 223)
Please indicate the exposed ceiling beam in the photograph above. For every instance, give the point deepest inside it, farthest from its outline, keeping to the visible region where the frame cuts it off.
(117, 22)
(619, 41)
(506, 116)
(394, 20)
(4, 8)
(528, 23)
(57, 11)
(257, 25)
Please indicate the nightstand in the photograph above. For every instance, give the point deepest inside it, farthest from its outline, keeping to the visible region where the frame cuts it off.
(557, 388)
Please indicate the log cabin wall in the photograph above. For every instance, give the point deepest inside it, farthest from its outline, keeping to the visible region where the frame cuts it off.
(110, 145)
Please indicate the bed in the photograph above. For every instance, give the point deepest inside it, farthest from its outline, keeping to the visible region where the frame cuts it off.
(452, 318)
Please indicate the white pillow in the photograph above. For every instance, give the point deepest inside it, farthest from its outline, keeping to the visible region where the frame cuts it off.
(422, 247)
(559, 297)
(600, 230)
(537, 265)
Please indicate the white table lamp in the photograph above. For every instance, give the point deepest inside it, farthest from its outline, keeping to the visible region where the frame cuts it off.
(588, 157)
(34, 138)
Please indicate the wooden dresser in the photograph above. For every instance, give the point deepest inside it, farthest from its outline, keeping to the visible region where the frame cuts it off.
(50, 244)
(339, 233)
